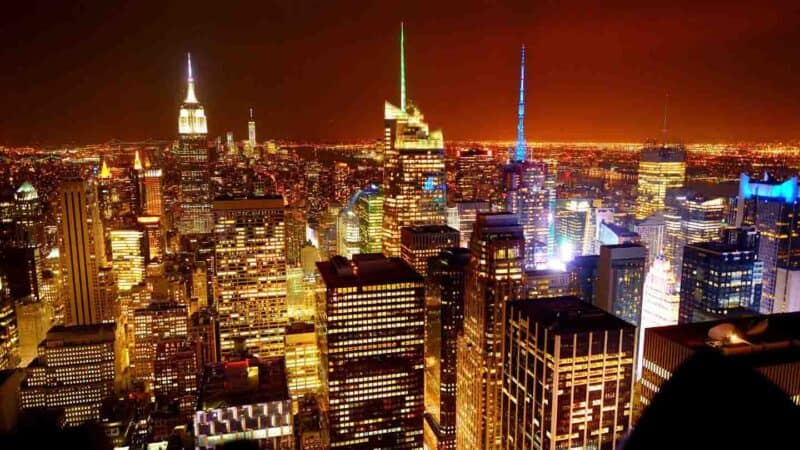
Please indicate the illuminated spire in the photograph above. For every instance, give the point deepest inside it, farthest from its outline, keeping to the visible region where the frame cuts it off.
(104, 172)
(521, 144)
(137, 163)
(190, 96)
(402, 69)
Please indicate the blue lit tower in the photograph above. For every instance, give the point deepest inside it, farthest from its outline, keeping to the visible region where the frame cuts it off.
(521, 144)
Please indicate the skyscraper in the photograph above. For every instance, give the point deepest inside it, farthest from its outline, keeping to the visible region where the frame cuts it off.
(9, 329)
(153, 204)
(371, 341)
(192, 158)
(75, 371)
(571, 222)
(461, 216)
(413, 171)
(251, 130)
(250, 270)
(79, 251)
(521, 148)
(721, 277)
(369, 210)
(621, 271)
(567, 376)
(772, 207)
(420, 243)
(651, 232)
(527, 197)
(660, 168)
(127, 257)
(475, 175)
(444, 305)
(693, 218)
(347, 237)
(154, 324)
(494, 277)
(28, 224)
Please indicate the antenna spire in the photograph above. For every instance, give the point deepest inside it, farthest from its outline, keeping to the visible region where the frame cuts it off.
(521, 143)
(402, 69)
(190, 95)
(664, 126)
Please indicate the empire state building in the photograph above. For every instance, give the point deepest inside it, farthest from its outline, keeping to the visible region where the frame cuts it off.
(192, 155)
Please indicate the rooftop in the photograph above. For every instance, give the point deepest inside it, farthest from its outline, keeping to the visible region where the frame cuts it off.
(757, 341)
(248, 381)
(568, 314)
(366, 269)
(269, 202)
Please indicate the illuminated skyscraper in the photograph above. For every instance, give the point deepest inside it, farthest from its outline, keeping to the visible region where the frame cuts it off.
(475, 175)
(250, 269)
(192, 157)
(494, 277)
(418, 244)
(773, 208)
(175, 375)
(153, 236)
(527, 197)
(595, 217)
(549, 283)
(520, 150)
(660, 298)
(28, 224)
(302, 360)
(75, 371)
(721, 277)
(371, 342)
(567, 378)
(413, 171)
(348, 242)
(461, 216)
(159, 321)
(660, 168)
(444, 305)
(81, 251)
(584, 275)
(251, 130)
(621, 271)
(612, 234)
(127, 257)
(34, 319)
(9, 330)
(651, 233)
(571, 222)
(341, 173)
(694, 218)
(369, 210)
(153, 203)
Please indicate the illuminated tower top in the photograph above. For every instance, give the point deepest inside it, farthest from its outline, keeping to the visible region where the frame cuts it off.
(105, 173)
(137, 162)
(251, 129)
(192, 119)
(519, 153)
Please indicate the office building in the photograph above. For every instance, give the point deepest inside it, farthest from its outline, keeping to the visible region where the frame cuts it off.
(152, 325)
(302, 360)
(203, 335)
(75, 372)
(127, 257)
(420, 243)
(494, 277)
(34, 318)
(584, 275)
(768, 346)
(612, 234)
(9, 330)
(461, 216)
(690, 219)
(527, 197)
(651, 234)
(245, 400)
(570, 224)
(82, 251)
(475, 175)
(369, 210)
(721, 277)
(192, 159)
(444, 305)
(548, 283)
(567, 376)
(28, 223)
(371, 331)
(175, 375)
(660, 168)
(413, 169)
(596, 216)
(251, 130)
(153, 197)
(250, 270)
(621, 271)
(341, 175)
(772, 207)
(153, 237)
(348, 241)
(660, 296)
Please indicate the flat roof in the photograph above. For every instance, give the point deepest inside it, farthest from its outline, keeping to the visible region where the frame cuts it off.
(568, 314)
(270, 202)
(244, 382)
(366, 269)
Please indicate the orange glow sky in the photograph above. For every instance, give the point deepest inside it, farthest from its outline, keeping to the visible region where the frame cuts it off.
(321, 70)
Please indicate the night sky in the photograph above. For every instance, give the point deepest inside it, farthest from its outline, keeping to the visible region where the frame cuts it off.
(597, 70)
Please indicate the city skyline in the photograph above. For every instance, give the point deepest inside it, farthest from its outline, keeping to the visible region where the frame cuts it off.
(586, 72)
